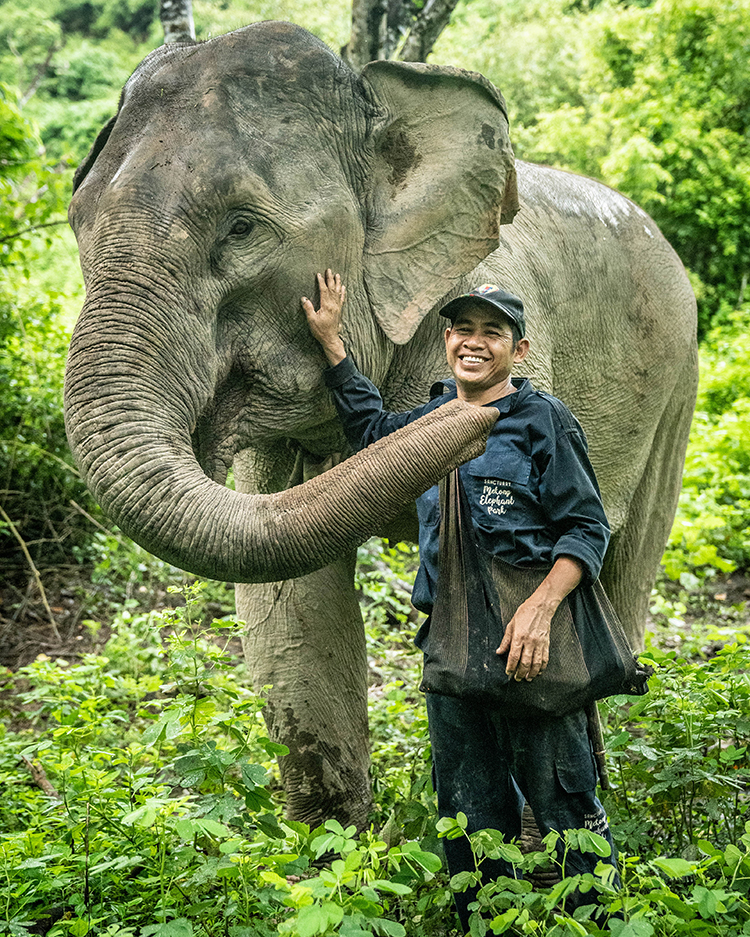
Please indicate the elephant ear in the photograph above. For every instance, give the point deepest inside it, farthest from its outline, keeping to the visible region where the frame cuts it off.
(101, 140)
(442, 179)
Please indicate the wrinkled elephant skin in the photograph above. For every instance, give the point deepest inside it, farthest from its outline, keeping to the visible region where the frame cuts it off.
(234, 170)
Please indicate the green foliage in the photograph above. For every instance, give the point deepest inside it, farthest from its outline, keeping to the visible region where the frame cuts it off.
(88, 72)
(659, 897)
(31, 192)
(650, 98)
(161, 814)
(404, 801)
(663, 117)
(37, 477)
(681, 757)
(712, 529)
(27, 38)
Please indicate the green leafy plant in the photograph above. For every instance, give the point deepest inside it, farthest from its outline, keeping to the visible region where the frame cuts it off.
(711, 533)
(680, 753)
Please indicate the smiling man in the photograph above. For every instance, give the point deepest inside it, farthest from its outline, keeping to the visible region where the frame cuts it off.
(534, 502)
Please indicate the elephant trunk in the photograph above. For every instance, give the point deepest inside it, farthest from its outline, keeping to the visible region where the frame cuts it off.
(129, 419)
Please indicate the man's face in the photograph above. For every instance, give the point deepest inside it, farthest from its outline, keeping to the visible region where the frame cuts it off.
(480, 351)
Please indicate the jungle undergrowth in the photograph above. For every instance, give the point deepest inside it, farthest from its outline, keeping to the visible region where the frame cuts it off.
(157, 808)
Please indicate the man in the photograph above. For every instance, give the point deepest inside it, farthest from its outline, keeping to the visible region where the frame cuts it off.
(534, 500)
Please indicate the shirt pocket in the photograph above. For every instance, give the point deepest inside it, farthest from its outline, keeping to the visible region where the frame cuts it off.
(511, 466)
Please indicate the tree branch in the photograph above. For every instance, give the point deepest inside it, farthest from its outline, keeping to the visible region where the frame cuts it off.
(33, 227)
(39, 777)
(34, 570)
(378, 26)
(427, 26)
(40, 73)
(368, 33)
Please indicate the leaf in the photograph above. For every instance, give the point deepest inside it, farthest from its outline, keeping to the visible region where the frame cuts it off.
(502, 922)
(254, 775)
(269, 825)
(635, 928)
(316, 918)
(154, 732)
(179, 927)
(592, 842)
(708, 848)
(172, 729)
(450, 828)
(395, 888)
(674, 866)
(185, 828)
(463, 880)
(389, 928)
(143, 817)
(427, 860)
(561, 891)
(273, 878)
(733, 856)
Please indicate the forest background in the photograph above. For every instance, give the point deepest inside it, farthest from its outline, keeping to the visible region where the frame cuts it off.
(653, 98)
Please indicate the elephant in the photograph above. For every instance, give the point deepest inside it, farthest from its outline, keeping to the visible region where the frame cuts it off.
(234, 170)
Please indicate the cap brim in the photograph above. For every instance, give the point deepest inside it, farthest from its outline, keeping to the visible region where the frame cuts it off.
(452, 309)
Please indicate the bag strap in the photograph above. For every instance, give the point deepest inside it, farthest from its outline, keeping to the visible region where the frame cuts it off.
(451, 602)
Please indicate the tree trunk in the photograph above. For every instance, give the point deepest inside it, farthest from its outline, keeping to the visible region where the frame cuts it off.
(395, 29)
(177, 20)
(424, 32)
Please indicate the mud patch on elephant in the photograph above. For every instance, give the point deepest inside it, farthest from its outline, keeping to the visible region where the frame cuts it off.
(400, 153)
(317, 780)
(487, 136)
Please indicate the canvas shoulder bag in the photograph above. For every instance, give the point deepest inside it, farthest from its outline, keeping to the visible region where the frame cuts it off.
(477, 595)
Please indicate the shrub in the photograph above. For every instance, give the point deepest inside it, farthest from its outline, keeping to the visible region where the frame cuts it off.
(712, 529)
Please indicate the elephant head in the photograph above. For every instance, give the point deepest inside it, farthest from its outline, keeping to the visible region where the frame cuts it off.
(234, 170)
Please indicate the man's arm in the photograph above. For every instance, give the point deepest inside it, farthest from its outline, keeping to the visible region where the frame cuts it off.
(357, 400)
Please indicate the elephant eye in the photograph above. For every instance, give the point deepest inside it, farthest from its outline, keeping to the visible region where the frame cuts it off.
(241, 228)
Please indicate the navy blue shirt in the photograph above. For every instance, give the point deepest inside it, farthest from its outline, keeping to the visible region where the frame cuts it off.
(533, 493)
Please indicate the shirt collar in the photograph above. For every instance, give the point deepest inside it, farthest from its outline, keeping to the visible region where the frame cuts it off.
(447, 388)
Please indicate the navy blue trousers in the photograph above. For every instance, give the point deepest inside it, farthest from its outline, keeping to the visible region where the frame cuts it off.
(486, 764)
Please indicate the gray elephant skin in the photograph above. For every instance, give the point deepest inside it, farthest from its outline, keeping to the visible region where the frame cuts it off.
(234, 170)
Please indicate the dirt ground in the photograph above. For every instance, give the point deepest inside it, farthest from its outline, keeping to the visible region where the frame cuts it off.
(57, 627)
(28, 629)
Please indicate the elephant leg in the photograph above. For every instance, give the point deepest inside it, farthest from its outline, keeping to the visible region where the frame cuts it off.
(305, 637)
(530, 840)
(634, 553)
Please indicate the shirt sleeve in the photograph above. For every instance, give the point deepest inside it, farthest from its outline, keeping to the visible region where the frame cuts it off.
(360, 406)
(571, 499)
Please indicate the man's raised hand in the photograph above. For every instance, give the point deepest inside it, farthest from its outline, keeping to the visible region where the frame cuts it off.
(325, 323)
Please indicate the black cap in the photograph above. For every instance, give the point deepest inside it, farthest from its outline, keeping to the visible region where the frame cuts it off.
(510, 305)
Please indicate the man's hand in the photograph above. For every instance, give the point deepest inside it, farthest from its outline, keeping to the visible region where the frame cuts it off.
(526, 641)
(526, 638)
(325, 323)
